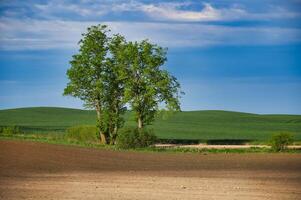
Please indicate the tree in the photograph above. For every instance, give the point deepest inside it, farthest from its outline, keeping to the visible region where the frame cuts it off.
(148, 85)
(94, 78)
(108, 72)
(117, 77)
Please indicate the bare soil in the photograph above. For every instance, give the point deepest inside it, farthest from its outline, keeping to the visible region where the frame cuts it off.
(42, 171)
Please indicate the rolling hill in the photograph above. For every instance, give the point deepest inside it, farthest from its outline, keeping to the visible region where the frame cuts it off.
(201, 125)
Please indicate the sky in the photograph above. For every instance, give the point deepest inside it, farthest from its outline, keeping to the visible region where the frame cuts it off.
(236, 55)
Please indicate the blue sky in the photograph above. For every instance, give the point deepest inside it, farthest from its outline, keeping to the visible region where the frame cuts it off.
(236, 55)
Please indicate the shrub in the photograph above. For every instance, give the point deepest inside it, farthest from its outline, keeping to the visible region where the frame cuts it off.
(130, 138)
(82, 133)
(10, 130)
(279, 142)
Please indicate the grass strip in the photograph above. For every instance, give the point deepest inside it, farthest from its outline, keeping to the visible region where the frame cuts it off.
(61, 140)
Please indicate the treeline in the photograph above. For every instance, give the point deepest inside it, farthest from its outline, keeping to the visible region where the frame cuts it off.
(109, 74)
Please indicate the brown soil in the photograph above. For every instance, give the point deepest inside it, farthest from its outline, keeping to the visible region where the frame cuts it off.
(43, 171)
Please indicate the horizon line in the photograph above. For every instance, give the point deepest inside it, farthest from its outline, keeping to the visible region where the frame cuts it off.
(235, 111)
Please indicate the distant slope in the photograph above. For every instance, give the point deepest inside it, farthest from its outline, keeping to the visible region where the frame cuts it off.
(51, 118)
(183, 125)
(227, 125)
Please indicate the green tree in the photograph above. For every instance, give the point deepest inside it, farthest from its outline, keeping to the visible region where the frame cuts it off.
(148, 85)
(107, 73)
(94, 78)
(117, 77)
(280, 141)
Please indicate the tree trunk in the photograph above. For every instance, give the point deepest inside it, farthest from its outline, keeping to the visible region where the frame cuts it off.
(103, 138)
(115, 129)
(102, 135)
(140, 123)
(114, 135)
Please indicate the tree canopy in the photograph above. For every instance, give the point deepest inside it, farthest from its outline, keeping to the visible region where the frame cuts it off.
(108, 73)
(149, 85)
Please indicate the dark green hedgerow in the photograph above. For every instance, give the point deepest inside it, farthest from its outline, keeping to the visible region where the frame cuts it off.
(10, 130)
(87, 134)
(279, 142)
(131, 138)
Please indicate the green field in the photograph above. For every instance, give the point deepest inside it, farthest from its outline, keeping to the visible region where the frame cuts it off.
(202, 125)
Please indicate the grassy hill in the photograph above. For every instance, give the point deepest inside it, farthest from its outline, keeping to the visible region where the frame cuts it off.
(183, 125)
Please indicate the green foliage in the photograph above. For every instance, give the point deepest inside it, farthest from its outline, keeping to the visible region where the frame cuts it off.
(88, 66)
(82, 134)
(97, 77)
(10, 130)
(88, 75)
(148, 84)
(279, 142)
(131, 138)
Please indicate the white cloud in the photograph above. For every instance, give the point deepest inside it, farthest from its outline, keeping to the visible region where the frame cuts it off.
(42, 34)
(173, 11)
(54, 9)
(50, 7)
